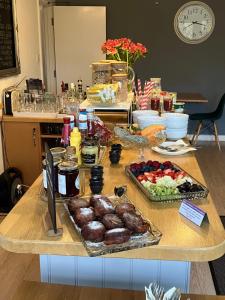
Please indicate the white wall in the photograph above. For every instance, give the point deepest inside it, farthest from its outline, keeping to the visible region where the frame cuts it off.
(28, 20)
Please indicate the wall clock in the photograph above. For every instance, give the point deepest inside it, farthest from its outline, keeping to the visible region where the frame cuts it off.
(194, 22)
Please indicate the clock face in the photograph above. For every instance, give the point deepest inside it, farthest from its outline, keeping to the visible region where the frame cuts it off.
(194, 22)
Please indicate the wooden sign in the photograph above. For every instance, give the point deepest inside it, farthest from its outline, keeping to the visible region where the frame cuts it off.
(9, 63)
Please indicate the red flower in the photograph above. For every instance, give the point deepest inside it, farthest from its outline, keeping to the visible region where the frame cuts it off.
(124, 49)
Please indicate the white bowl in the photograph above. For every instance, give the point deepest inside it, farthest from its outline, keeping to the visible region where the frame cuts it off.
(176, 120)
(138, 113)
(176, 134)
(145, 121)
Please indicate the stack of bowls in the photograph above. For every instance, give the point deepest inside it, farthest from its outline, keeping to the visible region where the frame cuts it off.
(176, 125)
(145, 121)
(96, 180)
(115, 153)
(142, 113)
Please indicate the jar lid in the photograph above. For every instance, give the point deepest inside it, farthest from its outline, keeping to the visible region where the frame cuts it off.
(90, 141)
(67, 166)
(56, 161)
(115, 63)
(119, 76)
(57, 151)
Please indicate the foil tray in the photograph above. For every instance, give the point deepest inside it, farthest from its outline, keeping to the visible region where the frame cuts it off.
(151, 237)
(179, 197)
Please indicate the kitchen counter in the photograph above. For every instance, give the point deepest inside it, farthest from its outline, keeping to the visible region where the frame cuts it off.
(22, 231)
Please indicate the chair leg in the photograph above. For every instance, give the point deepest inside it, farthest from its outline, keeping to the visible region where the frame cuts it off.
(196, 134)
(216, 135)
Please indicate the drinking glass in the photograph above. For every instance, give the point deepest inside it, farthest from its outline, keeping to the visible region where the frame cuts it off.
(167, 103)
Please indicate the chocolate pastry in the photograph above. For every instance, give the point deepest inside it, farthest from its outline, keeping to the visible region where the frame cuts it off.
(102, 207)
(112, 221)
(117, 236)
(124, 207)
(84, 215)
(135, 223)
(93, 231)
(73, 204)
(95, 198)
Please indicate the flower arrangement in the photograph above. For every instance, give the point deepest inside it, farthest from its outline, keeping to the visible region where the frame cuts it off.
(124, 49)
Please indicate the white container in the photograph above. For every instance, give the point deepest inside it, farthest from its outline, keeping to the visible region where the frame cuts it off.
(176, 120)
(138, 113)
(145, 121)
(176, 134)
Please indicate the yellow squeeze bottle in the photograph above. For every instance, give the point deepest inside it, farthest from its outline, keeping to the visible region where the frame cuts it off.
(75, 140)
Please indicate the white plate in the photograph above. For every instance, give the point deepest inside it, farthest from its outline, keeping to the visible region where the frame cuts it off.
(174, 153)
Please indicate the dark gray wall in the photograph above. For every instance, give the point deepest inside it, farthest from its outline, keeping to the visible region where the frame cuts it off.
(183, 67)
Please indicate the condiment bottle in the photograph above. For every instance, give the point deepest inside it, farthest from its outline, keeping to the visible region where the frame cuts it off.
(90, 122)
(83, 122)
(75, 140)
(66, 132)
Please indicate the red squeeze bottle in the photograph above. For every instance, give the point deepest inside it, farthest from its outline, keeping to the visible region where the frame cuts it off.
(66, 132)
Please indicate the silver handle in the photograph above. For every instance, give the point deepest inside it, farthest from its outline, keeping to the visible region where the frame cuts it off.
(34, 137)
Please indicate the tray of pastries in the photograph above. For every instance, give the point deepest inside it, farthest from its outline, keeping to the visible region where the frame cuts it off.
(110, 224)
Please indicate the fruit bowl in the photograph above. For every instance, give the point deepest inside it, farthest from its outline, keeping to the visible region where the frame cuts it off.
(165, 181)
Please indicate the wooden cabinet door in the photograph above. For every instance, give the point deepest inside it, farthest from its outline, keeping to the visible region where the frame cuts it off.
(22, 149)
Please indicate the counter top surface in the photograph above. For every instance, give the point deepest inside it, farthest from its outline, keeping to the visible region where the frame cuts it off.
(22, 231)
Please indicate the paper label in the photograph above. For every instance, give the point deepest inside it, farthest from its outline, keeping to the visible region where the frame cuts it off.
(77, 183)
(192, 212)
(62, 184)
(44, 175)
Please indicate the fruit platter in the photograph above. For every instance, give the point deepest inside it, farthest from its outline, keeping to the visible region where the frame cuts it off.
(165, 181)
(107, 224)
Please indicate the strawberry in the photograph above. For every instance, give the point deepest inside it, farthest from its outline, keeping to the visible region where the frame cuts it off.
(141, 178)
(167, 171)
(171, 174)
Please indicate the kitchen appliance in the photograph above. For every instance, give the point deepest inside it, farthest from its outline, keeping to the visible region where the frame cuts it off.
(11, 97)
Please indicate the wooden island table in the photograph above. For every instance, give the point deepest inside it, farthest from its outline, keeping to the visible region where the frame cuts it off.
(65, 260)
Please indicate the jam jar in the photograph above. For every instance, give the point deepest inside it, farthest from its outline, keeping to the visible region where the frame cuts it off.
(90, 152)
(68, 179)
(56, 162)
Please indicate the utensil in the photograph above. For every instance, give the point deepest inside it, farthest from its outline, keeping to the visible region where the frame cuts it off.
(157, 291)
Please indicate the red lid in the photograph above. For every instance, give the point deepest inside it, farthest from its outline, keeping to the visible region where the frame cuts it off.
(66, 120)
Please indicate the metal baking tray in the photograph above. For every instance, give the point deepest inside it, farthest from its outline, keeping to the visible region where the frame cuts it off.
(180, 197)
(151, 237)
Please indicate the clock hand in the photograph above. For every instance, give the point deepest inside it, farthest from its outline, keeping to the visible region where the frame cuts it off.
(189, 25)
(196, 22)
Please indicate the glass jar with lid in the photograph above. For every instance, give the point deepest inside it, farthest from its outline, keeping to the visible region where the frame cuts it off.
(68, 179)
(122, 79)
(101, 72)
(90, 152)
(119, 67)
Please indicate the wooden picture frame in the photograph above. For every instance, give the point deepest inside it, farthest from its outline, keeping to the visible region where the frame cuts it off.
(9, 60)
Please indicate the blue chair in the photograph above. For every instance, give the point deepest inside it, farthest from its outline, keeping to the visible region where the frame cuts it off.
(208, 121)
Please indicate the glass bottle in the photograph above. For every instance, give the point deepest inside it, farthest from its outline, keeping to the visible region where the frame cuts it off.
(90, 122)
(66, 132)
(83, 123)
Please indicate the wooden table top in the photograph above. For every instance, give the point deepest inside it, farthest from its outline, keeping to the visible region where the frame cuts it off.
(191, 98)
(22, 231)
(39, 291)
